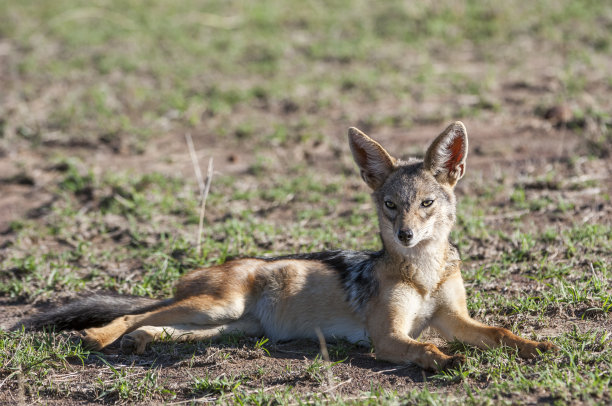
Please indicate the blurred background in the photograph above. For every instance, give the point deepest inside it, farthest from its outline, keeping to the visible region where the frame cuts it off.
(97, 186)
(267, 85)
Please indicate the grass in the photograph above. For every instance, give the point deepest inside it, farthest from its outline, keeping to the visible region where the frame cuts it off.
(270, 84)
(573, 283)
(125, 384)
(583, 357)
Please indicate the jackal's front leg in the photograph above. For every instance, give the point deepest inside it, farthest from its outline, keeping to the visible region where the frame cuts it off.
(389, 324)
(470, 331)
(399, 348)
(453, 322)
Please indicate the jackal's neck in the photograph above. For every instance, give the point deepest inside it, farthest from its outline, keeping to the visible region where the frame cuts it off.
(424, 263)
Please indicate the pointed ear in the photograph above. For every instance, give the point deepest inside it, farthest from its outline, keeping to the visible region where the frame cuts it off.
(375, 164)
(446, 156)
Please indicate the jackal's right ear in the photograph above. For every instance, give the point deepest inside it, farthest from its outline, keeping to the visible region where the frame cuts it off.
(445, 157)
(375, 164)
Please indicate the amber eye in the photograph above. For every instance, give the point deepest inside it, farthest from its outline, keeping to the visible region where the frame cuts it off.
(427, 203)
(390, 204)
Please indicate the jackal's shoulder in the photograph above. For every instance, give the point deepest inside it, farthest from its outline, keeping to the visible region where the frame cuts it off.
(452, 265)
(453, 255)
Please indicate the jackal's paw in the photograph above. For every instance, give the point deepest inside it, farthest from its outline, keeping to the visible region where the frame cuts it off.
(456, 361)
(531, 350)
(89, 340)
(432, 359)
(134, 343)
(128, 345)
(453, 361)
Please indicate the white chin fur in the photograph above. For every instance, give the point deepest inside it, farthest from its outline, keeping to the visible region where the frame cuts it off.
(413, 243)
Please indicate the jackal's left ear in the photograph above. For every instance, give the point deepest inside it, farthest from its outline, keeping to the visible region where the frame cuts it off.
(375, 164)
(446, 156)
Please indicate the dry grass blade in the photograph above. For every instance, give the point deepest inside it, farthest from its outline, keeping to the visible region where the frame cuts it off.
(209, 176)
(203, 185)
(195, 163)
(325, 354)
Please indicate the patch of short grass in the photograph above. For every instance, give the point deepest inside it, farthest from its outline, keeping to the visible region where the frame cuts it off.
(578, 372)
(131, 385)
(29, 361)
(574, 283)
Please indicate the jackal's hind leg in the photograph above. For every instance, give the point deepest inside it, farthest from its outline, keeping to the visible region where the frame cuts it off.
(204, 312)
(137, 340)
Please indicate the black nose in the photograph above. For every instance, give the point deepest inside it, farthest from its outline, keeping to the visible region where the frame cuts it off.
(405, 235)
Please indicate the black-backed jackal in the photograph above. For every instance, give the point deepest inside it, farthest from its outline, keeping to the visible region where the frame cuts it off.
(387, 297)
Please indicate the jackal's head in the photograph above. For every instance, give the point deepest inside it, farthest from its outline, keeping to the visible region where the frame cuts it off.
(415, 198)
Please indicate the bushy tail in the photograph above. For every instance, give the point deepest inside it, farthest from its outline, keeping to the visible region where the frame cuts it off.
(91, 311)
